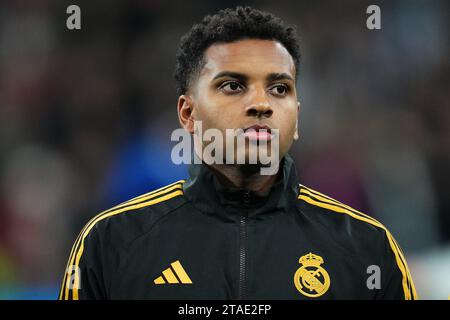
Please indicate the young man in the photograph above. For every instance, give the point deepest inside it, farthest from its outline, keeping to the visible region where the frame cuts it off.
(229, 231)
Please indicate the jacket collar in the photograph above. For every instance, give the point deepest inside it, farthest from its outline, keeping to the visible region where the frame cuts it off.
(209, 195)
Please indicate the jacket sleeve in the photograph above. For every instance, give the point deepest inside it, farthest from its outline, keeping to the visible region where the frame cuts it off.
(83, 278)
(397, 283)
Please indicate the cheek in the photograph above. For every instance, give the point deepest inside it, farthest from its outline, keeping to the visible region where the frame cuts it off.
(288, 119)
(218, 114)
(287, 127)
(291, 128)
(206, 111)
(210, 114)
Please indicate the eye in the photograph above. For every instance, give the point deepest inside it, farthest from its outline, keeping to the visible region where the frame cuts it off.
(280, 89)
(231, 87)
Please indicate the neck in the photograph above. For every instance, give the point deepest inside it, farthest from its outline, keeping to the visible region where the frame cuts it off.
(244, 177)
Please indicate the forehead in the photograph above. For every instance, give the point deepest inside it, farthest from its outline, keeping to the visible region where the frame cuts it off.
(250, 56)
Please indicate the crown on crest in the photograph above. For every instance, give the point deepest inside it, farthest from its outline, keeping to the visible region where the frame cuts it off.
(311, 259)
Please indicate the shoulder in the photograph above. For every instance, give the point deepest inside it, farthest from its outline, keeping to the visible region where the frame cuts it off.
(356, 231)
(335, 214)
(108, 233)
(127, 220)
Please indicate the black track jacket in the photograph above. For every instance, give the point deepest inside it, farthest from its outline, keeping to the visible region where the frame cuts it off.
(196, 239)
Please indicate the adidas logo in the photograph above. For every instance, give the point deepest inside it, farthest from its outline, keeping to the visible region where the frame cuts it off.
(174, 274)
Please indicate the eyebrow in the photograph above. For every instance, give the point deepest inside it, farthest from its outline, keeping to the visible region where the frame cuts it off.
(242, 77)
(279, 76)
(231, 74)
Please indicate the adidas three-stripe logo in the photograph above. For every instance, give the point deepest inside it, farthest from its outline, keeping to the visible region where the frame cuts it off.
(174, 274)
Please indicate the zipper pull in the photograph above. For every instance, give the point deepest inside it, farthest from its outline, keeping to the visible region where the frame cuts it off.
(246, 197)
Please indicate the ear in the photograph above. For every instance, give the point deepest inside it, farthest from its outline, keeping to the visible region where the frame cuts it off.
(185, 108)
(296, 122)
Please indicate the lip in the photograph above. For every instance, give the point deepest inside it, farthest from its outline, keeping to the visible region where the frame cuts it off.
(258, 133)
(258, 127)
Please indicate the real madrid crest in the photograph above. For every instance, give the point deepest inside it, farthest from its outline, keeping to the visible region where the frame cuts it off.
(311, 279)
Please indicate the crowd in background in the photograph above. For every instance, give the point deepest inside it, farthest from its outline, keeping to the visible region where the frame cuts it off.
(86, 117)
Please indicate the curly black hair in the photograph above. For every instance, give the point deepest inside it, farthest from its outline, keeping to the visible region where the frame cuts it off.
(226, 26)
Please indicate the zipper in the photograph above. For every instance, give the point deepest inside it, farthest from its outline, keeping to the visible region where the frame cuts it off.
(243, 249)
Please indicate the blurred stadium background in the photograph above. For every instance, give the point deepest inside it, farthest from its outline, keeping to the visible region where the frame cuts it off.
(86, 118)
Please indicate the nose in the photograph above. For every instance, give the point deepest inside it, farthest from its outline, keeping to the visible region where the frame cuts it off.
(259, 106)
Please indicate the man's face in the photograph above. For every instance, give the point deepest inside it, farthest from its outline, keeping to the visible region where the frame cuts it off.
(246, 83)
